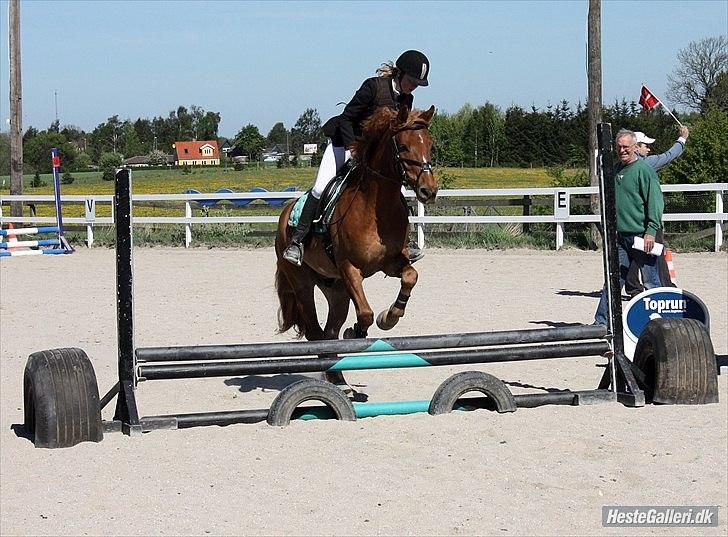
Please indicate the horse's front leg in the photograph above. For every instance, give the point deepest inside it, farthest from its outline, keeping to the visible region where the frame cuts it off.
(353, 280)
(390, 317)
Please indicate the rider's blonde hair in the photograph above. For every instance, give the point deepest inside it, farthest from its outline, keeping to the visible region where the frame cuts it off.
(388, 69)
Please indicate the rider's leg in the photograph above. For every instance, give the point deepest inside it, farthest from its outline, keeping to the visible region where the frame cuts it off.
(331, 161)
(414, 252)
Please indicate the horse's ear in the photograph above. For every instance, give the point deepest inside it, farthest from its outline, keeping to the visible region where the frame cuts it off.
(427, 116)
(401, 118)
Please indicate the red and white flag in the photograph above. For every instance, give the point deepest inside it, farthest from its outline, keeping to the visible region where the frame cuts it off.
(648, 101)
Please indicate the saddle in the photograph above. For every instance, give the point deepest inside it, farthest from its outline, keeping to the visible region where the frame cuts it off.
(330, 196)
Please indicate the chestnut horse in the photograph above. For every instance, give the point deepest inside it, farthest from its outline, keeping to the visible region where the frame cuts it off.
(368, 231)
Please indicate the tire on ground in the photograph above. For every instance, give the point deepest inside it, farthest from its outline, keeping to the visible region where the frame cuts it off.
(61, 399)
(457, 385)
(309, 390)
(678, 360)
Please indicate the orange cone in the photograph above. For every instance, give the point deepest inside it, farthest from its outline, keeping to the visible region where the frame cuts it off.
(11, 236)
(670, 266)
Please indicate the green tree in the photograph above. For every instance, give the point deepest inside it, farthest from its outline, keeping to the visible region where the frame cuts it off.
(206, 126)
(106, 137)
(250, 141)
(108, 162)
(37, 152)
(718, 95)
(83, 162)
(131, 145)
(145, 135)
(277, 135)
(705, 159)
(447, 133)
(307, 130)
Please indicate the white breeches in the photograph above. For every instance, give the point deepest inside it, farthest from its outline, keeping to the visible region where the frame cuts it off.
(331, 162)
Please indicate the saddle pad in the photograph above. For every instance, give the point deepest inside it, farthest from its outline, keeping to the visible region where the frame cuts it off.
(326, 207)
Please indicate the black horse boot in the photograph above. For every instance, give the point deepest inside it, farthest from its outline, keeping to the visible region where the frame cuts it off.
(294, 253)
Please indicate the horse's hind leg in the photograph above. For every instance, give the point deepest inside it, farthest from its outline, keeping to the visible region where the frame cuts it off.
(387, 319)
(338, 300)
(302, 282)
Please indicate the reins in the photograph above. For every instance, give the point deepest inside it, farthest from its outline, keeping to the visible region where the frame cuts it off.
(404, 179)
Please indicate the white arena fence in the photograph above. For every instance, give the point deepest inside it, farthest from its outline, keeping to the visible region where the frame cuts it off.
(561, 217)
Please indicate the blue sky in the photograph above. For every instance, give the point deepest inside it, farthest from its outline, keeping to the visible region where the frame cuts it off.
(264, 62)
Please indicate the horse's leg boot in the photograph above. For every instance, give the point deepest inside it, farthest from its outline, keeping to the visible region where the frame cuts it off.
(294, 253)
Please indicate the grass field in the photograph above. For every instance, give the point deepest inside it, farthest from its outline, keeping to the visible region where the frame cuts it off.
(208, 180)
(173, 181)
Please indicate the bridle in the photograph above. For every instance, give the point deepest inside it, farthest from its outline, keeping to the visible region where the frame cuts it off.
(400, 161)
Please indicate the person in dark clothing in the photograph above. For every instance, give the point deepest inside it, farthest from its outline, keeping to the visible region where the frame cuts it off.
(392, 87)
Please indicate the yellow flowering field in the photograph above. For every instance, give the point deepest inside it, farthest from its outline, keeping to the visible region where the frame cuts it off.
(208, 180)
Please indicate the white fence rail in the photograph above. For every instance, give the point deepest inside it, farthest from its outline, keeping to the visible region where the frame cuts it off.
(561, 217)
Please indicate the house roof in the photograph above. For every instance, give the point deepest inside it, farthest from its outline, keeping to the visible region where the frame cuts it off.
(188, 150)
(141, 159)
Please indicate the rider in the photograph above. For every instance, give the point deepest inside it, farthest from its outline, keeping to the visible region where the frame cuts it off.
(392, 87)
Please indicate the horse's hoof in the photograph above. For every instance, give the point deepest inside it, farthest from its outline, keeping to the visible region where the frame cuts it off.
(337, 379)
(385, 321)
(354, 333)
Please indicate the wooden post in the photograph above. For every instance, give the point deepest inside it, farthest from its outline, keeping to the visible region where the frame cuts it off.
(594, 106)
(526, 212)
(16, 111)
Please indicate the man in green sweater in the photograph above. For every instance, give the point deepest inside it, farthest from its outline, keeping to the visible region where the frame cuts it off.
(639, 205)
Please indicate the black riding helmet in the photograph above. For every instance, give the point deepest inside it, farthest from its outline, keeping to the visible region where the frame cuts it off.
(414, 64)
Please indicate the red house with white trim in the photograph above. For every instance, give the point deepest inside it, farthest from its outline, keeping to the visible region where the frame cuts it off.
(197, 153)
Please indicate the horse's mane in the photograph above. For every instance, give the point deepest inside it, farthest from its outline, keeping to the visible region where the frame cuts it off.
(376, 126)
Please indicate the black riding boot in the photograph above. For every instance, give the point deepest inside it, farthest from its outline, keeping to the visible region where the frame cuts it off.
(294, 253)
(414, 252)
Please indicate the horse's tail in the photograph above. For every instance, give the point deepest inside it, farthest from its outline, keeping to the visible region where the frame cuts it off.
(288, 313)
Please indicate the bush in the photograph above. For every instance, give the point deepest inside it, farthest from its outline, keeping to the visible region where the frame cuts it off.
(186, 169)
(445, 180)
(67, 178)
(36, 182)
(108, 162)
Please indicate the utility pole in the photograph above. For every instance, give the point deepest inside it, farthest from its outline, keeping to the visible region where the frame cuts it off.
(594, 105)
(16, 110)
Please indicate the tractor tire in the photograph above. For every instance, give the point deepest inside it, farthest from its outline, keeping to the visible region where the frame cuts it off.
(457, 385)
(678, 361)
(61, 399)
(285, 403)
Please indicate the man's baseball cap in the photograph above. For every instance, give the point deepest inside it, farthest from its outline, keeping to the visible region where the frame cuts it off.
(642, 138)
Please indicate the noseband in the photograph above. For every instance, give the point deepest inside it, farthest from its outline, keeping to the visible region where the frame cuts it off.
(425, 167)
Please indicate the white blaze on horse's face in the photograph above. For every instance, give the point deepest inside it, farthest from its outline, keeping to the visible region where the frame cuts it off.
(415, 145)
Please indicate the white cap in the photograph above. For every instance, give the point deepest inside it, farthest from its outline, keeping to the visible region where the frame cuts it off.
(642, 138)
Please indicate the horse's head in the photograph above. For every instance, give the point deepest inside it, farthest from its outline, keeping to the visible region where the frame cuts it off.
(412, 151)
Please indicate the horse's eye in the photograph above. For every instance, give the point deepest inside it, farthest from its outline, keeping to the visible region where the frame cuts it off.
(402, 148)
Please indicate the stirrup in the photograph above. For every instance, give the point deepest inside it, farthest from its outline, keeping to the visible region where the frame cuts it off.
(294, 254)
(414, 252)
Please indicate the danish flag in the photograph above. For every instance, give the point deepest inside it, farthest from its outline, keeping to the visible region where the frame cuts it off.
(648, 101)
